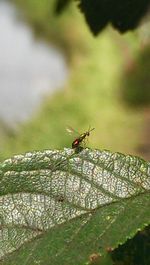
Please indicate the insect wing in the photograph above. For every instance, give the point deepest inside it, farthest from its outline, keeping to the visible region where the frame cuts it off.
(71, 131)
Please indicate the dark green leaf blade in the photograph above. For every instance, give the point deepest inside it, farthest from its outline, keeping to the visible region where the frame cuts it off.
(60, 5)
(75, 203)
(123, 15)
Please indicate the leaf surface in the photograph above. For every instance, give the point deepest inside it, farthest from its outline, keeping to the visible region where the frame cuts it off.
(59, 207)
(123, 15)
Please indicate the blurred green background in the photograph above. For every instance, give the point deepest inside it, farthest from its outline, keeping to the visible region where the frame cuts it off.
(108, 86)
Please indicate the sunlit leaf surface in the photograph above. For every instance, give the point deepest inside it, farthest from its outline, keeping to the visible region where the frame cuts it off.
(68, 205)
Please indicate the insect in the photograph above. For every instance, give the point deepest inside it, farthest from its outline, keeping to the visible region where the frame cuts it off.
(81, 137)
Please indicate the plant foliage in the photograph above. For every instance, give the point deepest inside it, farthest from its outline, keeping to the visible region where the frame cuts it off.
(59, 207)
(122, 14)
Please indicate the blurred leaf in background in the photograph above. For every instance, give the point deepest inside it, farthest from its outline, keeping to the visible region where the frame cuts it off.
(91, 94)
(136, 81)
(123, 15)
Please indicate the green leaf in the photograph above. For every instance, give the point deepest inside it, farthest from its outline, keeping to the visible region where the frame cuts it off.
(123, 14)
(60, 5)
(59, 207)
